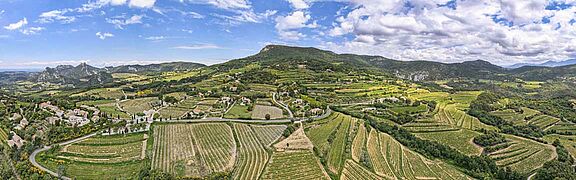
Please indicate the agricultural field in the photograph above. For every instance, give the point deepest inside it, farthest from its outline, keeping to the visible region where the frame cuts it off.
(193, 150)
(564, 127)
(268, 134)
(518, 118)
(107, 93)
(260, 112)
(523, 155)
(392, 160)
(134, 106)
(3, 137)
(321, 130)
(336, 152)
(460, 140)
(354, 171)
(108, 107)
(543, 121)
(451, 114)
(294, 165)
(359, 142)
(568, 141)
(173, 112)
(296, 141)
(105, 157)
(238, 112)
(252, 156)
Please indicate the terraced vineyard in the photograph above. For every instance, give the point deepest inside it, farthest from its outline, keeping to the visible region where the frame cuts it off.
(460, 140)
(359, 142)
(568, 141)
(543, 121)
(564, 127)
(268, 134)
(518, 118)
(392, 160)
(3, 136)
(450, 114)
(336, 154)
(354, 171)
(294, 165)
(523, 155)
(425, 126)
(320, 132)
(106, 157)
(193, 150)
(252, 156)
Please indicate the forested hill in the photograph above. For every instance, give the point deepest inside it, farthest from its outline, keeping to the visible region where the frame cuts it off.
(287, 57)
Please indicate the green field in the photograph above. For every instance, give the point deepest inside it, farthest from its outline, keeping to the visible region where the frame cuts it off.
(106, 157)
(336, 154)
(134, 106)
(460, 140)
(107, 93)
(106, 106)
(568, 141)
(252, 157)
(523, 155)
(392, 160)
(238, 112)
(294, 165)
(320, 132)
(193, 150)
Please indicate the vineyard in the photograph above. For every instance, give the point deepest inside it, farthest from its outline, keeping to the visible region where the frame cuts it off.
(134, 106)
(336, 154)
(543, 121)
(353, 171)
(523, 155)
(260, 112)
(517, 118)
(268, 134)
(568, 141)
(193, 150)
(3, 137)
(392, 160)
(100, 157)
(450, 114)
(359, 142)
(460, 140)
(294, 165)
(173, 112)
(252, 156)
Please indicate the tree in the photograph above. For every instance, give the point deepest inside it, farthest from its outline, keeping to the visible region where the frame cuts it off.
(267, 116)
(61, 171)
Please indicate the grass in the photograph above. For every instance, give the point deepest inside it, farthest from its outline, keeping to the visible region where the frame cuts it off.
(238, 112)
(294, 165)
(460, 140)
(106, 157)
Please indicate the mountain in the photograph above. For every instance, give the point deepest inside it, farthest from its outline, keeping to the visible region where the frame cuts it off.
(545, 64)
(67, 74)
(163, 67)
(84, 74)
(286, 57)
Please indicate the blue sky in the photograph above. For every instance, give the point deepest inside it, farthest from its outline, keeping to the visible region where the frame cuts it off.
(39, 33)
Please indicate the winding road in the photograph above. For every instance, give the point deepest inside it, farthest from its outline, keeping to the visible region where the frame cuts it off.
(282, 105)
(32, 157)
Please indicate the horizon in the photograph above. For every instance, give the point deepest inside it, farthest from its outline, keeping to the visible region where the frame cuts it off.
(121, 32)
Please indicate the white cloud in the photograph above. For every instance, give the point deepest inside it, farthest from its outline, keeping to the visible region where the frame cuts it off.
(427, 31)
(121, 21)
(117, 2)
(142, 3)
(17, 25)
(247, 16)
(224, 4)
(55, 15)
(155, 38)
(296, 20)
(299, 4)
(287, 26)
(104, 35)
(2, 12)
(198, 47)
(32, 30)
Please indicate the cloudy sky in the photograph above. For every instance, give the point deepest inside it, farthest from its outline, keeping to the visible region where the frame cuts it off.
(38, 33)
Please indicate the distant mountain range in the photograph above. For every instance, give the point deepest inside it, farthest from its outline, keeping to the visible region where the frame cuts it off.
(545, 64)
(286, 57)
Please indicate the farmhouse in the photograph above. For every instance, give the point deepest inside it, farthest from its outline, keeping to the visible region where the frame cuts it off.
(15, 141)
(316, 111)
(245, 101)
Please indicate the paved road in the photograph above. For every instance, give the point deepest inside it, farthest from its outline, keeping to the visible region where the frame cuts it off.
(282, 105)
(32, 157)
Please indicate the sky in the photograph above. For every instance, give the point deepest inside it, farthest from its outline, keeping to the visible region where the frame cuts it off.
(40, 33)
